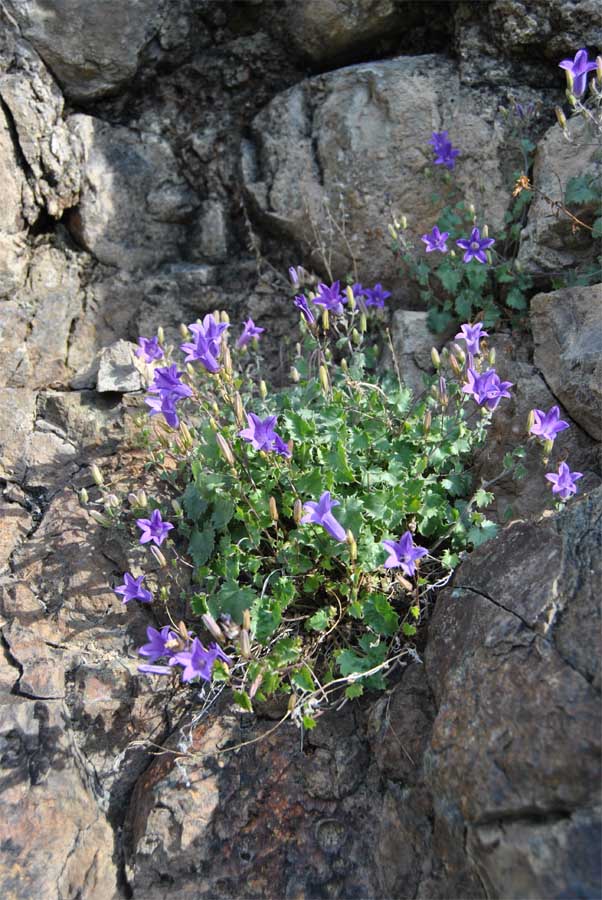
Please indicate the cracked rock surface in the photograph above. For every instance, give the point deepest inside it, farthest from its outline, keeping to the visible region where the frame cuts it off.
(157, 171)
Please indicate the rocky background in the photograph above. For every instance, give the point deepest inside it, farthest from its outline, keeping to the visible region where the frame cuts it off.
(163, 158)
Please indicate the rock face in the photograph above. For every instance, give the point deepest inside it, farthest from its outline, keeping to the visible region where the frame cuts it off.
(567, 330)
(115, 34)
(331, 157)
(132, 203)
(549, 242)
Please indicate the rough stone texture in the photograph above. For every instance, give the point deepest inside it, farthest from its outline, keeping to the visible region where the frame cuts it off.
(567, 330)
(412, 343)
(132, 201)
(16, 522)
(50, 153)
(334, 142)
(329, 29)
(549, 242)
(499, 661)
(117, 370)
(116, 31)
(532, 495)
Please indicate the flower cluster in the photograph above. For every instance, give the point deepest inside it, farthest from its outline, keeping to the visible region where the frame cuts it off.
(445, 154)
(170, 389)
(260, 435)
(206, 346)
(196, 660)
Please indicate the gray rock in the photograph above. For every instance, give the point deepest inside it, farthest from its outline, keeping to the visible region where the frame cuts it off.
(124, 219)
(326, 30)
(319, 168)
(212, 232)
(567, 330)
(549, 241)
(117, 369)
(116, 31)
(13, 181)
(17, 416)
(412, 343)
(16, 522)
(14, 260)
(51, 153)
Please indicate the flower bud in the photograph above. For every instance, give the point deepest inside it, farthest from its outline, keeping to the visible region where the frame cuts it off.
(246, 620)
(452, 253)
(244, 643)
(294, 276)
(190, 370)
(325, 319)
(471, 209)
(404, 222)
(435, 358)
(292, 702)
(324, 379)
(485, 231)
(560, 117)
(356, 337)
(489, 257)
(491, 357)
(328, 354)
(392, 232)
(455, 365)
(102, 520)
(186, 435)
(158, 556)
(212, 627)
(344, 365)
(298, 349)
(239, 409)
(83, 496)
(350, 297)
(142, 499)
(295, 376)
(363, 323)
(213, 424)
(225, 318)
(459, 354)
(599, 69)
(352, 546)
(184, 330)
(297, 511)
(111, 501)
(427, 421)
(443, 397)
(176, 507)
(570, 80)
(227, 360)
(160, 334)
(273, 510)
(225, 449)
(163, 594)
(530, 421)
(255, 685)
(263, 389)
(96, 475)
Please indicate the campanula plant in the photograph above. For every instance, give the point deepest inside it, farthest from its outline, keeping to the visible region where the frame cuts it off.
(316, 521)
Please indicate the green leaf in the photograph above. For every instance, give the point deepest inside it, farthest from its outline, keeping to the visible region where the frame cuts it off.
(285, 651)
(201, 545)
(222, 513)
(319, 621)
(515, 299)
(483, 498)
(232, 599)
(581, 190)
(449, 277)
(597, 228)
(194, 505)
(309, 722)
(408, 630)
(463, 305)
(354, 690)
(302, 678)
(243, 700)
(380, 615)
(220, 671)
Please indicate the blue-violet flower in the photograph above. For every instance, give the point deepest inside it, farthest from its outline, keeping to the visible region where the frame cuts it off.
(404, 553)
(320, 514)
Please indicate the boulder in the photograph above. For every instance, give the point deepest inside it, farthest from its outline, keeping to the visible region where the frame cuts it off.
(567, 331)
(133, 204)
(116, 32)
(330, 158)
(117, 369)
(551, 240)
(517, 688)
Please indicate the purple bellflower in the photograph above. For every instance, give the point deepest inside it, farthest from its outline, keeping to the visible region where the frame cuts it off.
(154, 529)
(294, 276)
(198, 662)
(435, 240)
(475, 246)
(261, 435)
(578, 67)
(486, 388)
(167, 380)
(320, 514)
(445, 154)
(132, 589)
(303, 306)
(376, 296)
(359, 291)
(250, 331)
(149, 349)
(330, 298)
(547, 425)
(472, 334)
(209, 328)
(203, 350)
(404, 553)
(563, 483)
(164, 404)
(157, 640)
